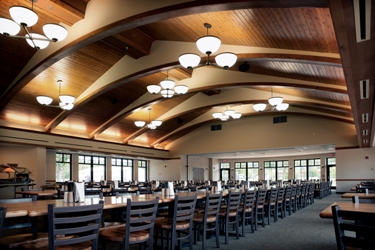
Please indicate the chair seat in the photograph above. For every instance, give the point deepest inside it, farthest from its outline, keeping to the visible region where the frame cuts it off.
(167, 224)
(110, 225)
(231, 213)
(13, 241)
(118, 234)
(43, 245)
(198, 217)
(247, 210)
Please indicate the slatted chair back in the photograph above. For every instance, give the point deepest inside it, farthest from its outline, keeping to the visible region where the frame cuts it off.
(311, 193)
(247, 208)
(271, 204)
(229, 215)
(81, 222)
(209, 218)
(140, 220)
(259, 207)
(287, 204)
(356, 199)
(353, 229)
(280, 202)
(3, 211)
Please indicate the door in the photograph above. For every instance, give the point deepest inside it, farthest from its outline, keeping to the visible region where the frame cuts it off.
(331, 171)
(225, 175)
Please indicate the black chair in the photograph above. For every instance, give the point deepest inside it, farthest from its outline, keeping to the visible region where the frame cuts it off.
(73, 226)
(271, 204)
(356, 199)
(228, 214)
(288, 202)
(246, 210)
(139, 226)
(259, 207)
(280, 203)
(354, 230)
(208, 220)
(178, 226)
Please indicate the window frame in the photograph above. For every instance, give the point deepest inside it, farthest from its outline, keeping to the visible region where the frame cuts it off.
(123, 163)
(92, 161)
(63, 162)
(276, 165)
(143, 164)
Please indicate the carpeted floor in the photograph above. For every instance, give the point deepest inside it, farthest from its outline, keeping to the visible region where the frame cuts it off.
(302, 230)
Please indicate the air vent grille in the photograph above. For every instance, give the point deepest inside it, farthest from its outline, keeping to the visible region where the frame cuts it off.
(362, 16)
(216, 127)
(280, 119)
(364, 89)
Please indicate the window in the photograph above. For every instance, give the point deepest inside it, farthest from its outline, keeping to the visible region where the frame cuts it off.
(142, 171)
(122, 169)
(331, 168)
(314, 169)
(246, 171)
(276, 170)
(307, 169)
(63, 167)
(300, 169)
(91, 168)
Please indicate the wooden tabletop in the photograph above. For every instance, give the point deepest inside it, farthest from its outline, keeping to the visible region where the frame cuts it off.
(47, 192)
(39, 207)
(349, 206)
(360, 195)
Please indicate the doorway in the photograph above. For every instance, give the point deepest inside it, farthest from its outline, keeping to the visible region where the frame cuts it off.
(331, 171)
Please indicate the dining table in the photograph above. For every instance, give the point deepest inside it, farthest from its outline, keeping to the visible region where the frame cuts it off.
(348, 206)
(360, 195)
(40, 207)
(38, 193)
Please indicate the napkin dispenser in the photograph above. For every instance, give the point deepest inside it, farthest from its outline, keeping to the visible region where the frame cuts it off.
(79, 192)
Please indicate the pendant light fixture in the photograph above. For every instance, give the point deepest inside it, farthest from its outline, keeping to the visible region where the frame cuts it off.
(151, 125)
(66, 101)
(167, 88)
(228, 113)
(275, 101)
(25, 17)
(208, 45)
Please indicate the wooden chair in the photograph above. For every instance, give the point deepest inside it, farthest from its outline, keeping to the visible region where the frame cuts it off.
(359, 225)
(259, 207)
(208, 220)
(288, 203)
(178, 226)
(246, 210)
(139, 226)
(228, 215)
(356, 199)
(73, 227)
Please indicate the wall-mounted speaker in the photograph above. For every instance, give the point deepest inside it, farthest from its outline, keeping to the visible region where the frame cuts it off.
(244, 67)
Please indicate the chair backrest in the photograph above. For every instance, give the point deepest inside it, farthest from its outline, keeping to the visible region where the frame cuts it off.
(3, 211)
(233, 202)
(261, 197)
(281, 194)
(81, 221)
(356, 199)
(361, 228)
(140, 216)
(288, 192)
(212, 204)
(249, 199)
(273, 195)
(184, 207)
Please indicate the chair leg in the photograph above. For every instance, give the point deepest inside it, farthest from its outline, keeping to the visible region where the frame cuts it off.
(217, 236)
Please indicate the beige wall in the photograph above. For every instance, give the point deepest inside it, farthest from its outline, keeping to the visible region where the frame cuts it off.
(166, 170)
(352, 167)
(259, 132)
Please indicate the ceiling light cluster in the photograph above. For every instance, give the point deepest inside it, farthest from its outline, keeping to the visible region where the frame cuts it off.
(151, 125)
(66, 101)
(208, 45)
(25, 17)
(167, 88)
(275, 101)
(228, 113)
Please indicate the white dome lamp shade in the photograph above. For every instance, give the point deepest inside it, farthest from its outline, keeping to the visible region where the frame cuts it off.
(226, 59)
(167, 93)
(259, 107)
(153, 89)
(208, 44)
(67, 99)
(55, 32)
(217, 115)
(44, 100)
(167, 84)
(66, 106)
(274, 101)
(23, 16)
(139, 124)
(236, 115)
(282, 106)
(9, 27)
(181, 89)
(189, 60)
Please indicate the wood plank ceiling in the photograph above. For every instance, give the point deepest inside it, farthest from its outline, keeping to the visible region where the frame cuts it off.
(306, 50)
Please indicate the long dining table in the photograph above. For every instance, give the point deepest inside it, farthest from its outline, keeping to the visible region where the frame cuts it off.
(40, 207)
(348, 206)
(360, 195)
